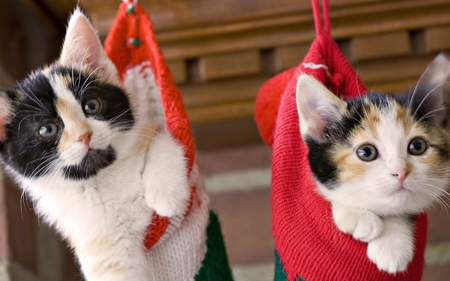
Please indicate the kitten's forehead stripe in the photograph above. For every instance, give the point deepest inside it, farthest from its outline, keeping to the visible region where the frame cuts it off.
(371, 119)
(75, 123)
(75, 80)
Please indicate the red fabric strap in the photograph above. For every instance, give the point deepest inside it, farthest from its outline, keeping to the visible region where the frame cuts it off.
(130, 42)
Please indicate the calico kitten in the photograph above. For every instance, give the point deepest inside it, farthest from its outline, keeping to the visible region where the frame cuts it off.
(379, 159)
(96, 169)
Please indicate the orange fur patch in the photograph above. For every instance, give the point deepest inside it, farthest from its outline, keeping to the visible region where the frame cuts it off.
(371, 120)
(350, 167)
(146, 136)
(75, 126)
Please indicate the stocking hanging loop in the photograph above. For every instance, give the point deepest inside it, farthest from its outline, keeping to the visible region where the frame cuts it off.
(134, 2)
(317, 17)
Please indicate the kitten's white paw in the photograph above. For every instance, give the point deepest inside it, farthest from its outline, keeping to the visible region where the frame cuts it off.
(168, 204)
(362, 224)
(167, 190)
(394, 249)
(389, 257)
(369, 227)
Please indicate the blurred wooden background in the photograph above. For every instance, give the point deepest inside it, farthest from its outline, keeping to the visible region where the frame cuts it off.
(220, 53)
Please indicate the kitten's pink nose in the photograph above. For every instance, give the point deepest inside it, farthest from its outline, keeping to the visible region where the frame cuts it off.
(85, 138)
(401, 174)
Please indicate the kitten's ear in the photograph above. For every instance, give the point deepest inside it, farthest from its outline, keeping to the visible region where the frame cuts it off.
(432, 92)
(438, 71)
(82, 47)
(5, 114)
(317, 107)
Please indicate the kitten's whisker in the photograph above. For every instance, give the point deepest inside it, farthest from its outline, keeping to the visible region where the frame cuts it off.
(429, 114)
(42, 166)
(354, 108)
(438, 192)
(426, 96)
(120, 115)
(416, 87)
(33, 97)
(21, 202)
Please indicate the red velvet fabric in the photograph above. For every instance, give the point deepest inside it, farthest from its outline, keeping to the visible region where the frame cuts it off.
(309, 244)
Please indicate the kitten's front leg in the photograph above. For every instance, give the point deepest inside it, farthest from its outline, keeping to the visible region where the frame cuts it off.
(165, 179)
(394, 249)
(362, 224)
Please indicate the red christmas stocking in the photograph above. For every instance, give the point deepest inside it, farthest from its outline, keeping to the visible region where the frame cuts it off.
(308, 244)
(188, 247)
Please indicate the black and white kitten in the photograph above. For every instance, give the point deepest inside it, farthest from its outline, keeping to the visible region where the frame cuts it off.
(379, 159)
(97, 168)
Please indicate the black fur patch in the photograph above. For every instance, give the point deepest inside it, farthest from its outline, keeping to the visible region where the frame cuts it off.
(319, 157)
(33, 105)
(320, 154)
(94, 161)
(115, 104)
(24, 151)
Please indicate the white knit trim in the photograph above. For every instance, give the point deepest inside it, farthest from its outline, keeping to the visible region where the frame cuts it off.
(180, 255)
(314, 66)
(145, 96)
(133, 2)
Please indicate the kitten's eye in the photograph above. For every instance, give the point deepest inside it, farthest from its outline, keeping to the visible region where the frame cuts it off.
(92, 106)
(367, 152)
(48, 130)
(417, 146)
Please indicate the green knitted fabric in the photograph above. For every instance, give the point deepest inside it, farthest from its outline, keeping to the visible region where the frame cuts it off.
(215, 265)
(279, 272)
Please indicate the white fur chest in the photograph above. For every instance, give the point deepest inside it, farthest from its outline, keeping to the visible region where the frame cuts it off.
(104, 209)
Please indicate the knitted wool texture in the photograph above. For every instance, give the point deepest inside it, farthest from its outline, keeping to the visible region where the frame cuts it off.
(131, 42)
(308, 243)
(177, 245)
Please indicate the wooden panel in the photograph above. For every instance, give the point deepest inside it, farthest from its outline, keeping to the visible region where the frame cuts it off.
(289, 56)
(439, 38)
(230, 64)
(4, 235)
(5, 79)
(221, 112)
(12, 47)
(22, 224)
(300, 34)
(208, 13)
(393, 87)
(178, 69)
(221, 52)
(226, 133)
(420, 42)
(380, 46)
(60, 9)
(392, 69)
(195, 13)
(241, 42)
(222, 91)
